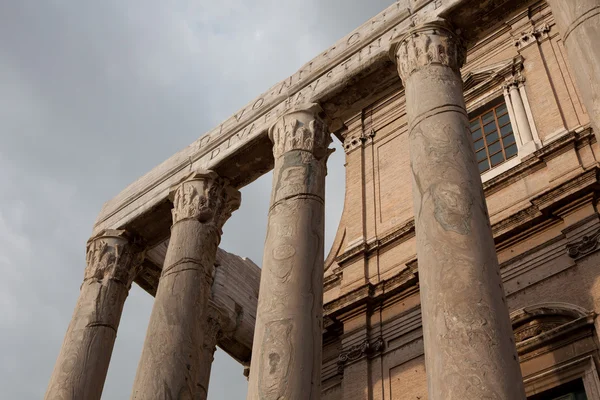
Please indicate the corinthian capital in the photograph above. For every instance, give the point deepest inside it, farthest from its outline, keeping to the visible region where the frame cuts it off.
(429, 44)
(113, 255)
(301, 129)
(206, 197)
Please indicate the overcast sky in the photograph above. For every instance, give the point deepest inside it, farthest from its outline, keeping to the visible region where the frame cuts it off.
(93, 94)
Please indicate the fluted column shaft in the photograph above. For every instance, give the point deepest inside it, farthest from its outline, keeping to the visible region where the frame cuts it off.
(469, 345)
(286, 353)
(113, 261)
(171, 365)
(579, 25)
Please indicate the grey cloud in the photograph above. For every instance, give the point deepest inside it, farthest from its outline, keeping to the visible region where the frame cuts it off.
(94, 94)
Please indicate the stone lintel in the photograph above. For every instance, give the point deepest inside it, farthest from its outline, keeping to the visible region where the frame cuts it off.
(360, 52)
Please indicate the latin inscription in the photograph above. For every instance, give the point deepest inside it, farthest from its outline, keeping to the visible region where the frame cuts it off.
(304, 94)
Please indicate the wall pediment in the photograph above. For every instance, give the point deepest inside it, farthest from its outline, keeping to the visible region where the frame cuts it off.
(489, 77)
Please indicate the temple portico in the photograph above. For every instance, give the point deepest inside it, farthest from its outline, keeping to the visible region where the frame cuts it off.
(468, 192)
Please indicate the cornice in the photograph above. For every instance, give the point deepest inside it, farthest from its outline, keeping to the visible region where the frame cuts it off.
(373, 293)
(364, 249)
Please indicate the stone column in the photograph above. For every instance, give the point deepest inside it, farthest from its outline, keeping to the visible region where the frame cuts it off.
(579, 25)
(172, 365)
(286, 353)
(113, 261)
(469, 345)
(518, 107)
(213, 331)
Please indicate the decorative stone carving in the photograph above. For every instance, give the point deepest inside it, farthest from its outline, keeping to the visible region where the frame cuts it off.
(515, 80)
(355, 141)
(358, 351)
(113, 255)
(287, 347)
(463, 306)
(431, 43)
(585, 246)
(114, 258)
(182, 334)
(204, 196)
(291, 133)
(532, 35)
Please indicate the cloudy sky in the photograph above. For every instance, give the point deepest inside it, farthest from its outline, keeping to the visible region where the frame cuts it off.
(93, 94)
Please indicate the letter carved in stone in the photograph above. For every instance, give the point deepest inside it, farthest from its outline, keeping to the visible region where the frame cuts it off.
(113, 255)
(205, 197)
(431, 43)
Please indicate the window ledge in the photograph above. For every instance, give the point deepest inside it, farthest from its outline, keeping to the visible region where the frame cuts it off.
(505, 166)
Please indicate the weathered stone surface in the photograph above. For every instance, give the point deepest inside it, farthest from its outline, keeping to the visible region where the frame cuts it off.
(172, 364)
(469, 347)
(286, 361)
(579, 24)
(113, 260)
(359, 52)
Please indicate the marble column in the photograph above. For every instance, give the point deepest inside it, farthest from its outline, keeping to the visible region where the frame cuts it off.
(579, 25)
(469, 344)
(286, 353)
(113, 261)
(172, 365)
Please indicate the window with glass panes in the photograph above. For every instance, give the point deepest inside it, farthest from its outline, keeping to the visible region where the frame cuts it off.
(493, 137)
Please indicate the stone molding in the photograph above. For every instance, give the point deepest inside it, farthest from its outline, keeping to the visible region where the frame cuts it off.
(358, 351)
(587, 245)
(430, 43)
(355, 141)
(205, 197)
(302, 128)
(532, 35)
(113, 255)
(516, 80)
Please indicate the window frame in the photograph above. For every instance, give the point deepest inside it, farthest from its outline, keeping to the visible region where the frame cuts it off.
(477, 116)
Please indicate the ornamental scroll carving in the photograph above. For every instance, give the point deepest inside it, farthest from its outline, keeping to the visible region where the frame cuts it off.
(355, 141)
(301, 129)
(358, 351)
(431, 43)
(586, 245)
(515, 80)
(206, 197)
(113, 255)
(532, 35)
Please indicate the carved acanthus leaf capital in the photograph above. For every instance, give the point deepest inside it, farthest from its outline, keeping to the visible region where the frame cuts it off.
(206, 197)
(429, 44)
(514, 81)
(113, 255)
(301, 128)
